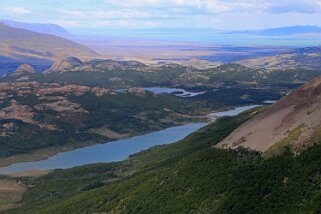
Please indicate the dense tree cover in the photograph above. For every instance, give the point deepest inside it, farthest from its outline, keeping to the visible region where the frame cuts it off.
(171, 76)
(186, 177)
(123, 113)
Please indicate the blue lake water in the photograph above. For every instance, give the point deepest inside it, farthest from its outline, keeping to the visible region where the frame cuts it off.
(116, 150)
(233, 112)
(176, 91)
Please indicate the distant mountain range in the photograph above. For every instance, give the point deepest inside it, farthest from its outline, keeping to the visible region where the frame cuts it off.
(51, 29)
(282, 31)
(302, 58)
(18, 46)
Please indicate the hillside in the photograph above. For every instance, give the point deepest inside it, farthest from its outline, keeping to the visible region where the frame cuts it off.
(124, 74)
(302, 58)
(190, 176)
(72, 115)
(51, 29)
(18, 46)
(294, 122)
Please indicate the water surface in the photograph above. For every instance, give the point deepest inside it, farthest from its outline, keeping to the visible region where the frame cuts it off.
(175, 91)
(108, 152)
(116, 150)
(233, 112)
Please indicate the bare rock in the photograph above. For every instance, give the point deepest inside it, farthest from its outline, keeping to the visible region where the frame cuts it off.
(64, 64)
(25, 68)
(61, 106)
(137, 91)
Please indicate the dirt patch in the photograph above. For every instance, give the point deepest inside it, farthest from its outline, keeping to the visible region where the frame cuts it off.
(108, 133)
(33, 173)
(10, 194)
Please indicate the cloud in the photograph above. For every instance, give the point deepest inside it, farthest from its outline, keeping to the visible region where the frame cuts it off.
(18, 10)
(225, 6)
(233, 14)
(121, 14)
(73, 13)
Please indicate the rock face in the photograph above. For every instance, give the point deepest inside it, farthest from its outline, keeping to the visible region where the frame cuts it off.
(16, 111)
(49, 97)
(137, 91)
(25, 68)
(65, 64)
(295, 118)
(74, 64)
(61, 106)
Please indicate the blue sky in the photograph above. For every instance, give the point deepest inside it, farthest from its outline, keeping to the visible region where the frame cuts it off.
(142, 14)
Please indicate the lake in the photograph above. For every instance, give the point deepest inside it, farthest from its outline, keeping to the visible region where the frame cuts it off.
(233, 112)
(175, 91)
(115, 150)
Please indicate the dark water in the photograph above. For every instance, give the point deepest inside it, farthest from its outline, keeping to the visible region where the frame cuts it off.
(175, 91)
(108, 152)
(116, 150)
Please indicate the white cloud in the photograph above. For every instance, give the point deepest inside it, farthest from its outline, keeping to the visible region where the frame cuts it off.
(121, 14)
(72, 13)
(230, 14)
(18, 10)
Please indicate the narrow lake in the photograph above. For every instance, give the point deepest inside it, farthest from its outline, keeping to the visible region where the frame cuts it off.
(175, 91)
(116, 150)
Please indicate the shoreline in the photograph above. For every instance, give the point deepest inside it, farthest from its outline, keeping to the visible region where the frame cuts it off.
(44, 154)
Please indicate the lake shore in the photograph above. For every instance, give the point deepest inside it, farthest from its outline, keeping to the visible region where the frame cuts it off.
(47, 154)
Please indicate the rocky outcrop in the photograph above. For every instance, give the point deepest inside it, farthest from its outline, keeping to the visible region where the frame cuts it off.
(25, 68)
(65, 64)
(40, 97)
(76, 90)
(137, 91)
(61, 106)
(100, 91)
(97, 65)
(16, 111)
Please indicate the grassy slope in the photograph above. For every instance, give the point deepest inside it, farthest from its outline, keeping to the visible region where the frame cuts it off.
(15, 42)
(187, 177)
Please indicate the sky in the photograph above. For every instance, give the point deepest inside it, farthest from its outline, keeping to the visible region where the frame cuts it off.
(145, 14)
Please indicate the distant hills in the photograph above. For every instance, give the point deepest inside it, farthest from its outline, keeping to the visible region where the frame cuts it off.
(18, 46)
(282, 31)
(126, 74)
(51, 29)
(302, 58)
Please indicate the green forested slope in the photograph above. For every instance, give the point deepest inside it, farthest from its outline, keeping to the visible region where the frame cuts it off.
(187, 177)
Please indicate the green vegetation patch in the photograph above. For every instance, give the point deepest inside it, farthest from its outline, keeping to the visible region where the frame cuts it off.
(189, 176)
(285, 143)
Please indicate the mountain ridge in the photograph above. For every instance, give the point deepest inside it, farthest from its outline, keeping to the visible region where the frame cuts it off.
(47, 28)
(301, 58)
(292, 122)
(281, 31)
(19, 46)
